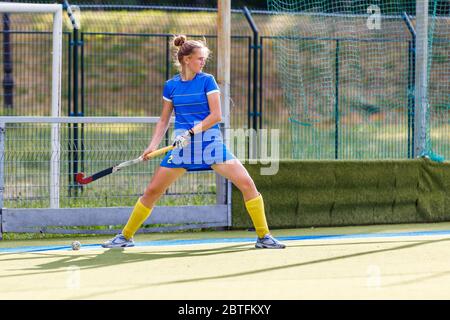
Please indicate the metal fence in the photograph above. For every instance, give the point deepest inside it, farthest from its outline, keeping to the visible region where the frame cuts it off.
(35, 200)
(117, 63)
(124, 57)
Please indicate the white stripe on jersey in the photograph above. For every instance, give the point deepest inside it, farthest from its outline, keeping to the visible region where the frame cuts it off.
(183, 114)
(191, 104)
(185, 95)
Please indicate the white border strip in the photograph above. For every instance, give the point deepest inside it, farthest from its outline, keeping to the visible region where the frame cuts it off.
(29, 7)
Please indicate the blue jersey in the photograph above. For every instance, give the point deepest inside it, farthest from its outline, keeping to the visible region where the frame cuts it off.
(190, 99)
(190, 104)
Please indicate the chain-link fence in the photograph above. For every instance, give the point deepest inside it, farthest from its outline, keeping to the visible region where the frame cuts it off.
(118, 61)
(28, 155)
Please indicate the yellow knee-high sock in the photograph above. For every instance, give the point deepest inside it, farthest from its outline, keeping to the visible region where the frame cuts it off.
(138, 216)
(255, 208)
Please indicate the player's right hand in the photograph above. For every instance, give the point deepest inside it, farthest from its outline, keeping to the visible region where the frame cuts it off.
(149, 149)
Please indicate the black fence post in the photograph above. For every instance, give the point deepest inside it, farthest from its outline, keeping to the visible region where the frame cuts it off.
(254, 114)
(255, 47)
(8, 79)
(75, 94)
(69, 110)
(249, 84)
(74, 112)
(81, 113)
(167, 78)
(336, 102)
(411, 83)
(260, 86)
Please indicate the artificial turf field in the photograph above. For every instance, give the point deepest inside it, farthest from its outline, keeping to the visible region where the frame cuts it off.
(365, 262)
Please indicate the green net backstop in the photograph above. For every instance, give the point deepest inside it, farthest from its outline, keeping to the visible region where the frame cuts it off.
(348, 70)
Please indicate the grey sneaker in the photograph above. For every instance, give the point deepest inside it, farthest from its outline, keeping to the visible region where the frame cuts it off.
(119, 241)
(269, 242)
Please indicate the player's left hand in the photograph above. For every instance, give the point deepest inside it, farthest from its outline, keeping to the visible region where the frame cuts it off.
(182, 141)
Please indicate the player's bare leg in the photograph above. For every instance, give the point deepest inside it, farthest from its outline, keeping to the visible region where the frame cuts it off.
(234, 171)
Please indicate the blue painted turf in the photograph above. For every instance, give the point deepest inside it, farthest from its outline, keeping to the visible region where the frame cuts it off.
(236, 240)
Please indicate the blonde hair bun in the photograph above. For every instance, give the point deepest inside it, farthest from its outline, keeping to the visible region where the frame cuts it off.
(179, 40)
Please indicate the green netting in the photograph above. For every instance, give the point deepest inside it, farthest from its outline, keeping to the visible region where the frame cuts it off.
(438, 120)
(347, 72)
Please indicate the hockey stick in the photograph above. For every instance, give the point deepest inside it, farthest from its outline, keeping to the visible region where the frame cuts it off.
(79, 177)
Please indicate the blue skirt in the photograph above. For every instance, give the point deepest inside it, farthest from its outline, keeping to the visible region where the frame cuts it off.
(197, 156)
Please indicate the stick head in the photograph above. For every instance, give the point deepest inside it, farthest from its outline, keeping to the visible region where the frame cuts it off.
(79, 178)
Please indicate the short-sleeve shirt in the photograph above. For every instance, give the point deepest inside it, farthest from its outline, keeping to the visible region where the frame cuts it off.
(190, 103)
(190, 99)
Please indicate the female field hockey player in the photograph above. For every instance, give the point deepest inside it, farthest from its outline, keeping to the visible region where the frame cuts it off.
(194, 96)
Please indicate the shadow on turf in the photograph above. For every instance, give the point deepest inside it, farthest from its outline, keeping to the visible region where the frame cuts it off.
(408, 246)
(113, 257)
(120, 256)
(260, 271)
